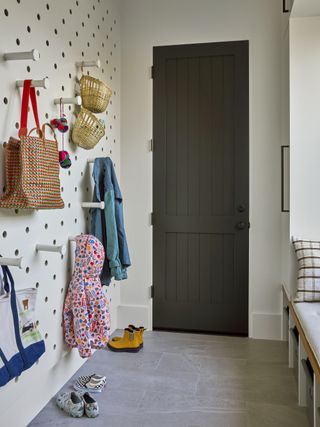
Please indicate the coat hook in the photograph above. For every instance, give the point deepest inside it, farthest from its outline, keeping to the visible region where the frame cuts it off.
(45, 83)
(76, 100)
(96, 64)
(51, 248)
(33, 54)
(13, 262)
(99, 205)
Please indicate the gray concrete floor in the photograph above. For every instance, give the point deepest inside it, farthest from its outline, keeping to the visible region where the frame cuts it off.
(191, 380)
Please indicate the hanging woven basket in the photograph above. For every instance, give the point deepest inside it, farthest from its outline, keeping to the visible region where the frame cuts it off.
(95, 94)
(87, 130)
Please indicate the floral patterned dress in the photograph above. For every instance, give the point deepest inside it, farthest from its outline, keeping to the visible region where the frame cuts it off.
(86, 316)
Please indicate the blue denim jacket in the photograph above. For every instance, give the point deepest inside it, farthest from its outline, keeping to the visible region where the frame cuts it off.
(108, 224)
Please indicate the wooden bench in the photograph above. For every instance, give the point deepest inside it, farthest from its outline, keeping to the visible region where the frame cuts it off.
(306, 318)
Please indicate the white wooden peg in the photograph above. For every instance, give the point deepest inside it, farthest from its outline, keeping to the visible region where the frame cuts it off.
(12, 262)
(72, 239)
(76, 100)
(96, 63)
(33, 54)
(51, 248)
(99, 205)
(91, 159)
(45, 83)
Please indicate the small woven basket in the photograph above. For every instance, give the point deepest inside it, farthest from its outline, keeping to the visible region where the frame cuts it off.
(95, 94)
(87, 130)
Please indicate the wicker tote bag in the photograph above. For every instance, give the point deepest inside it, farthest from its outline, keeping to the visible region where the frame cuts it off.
(32, 164)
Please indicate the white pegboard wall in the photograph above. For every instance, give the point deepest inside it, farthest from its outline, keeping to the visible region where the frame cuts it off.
(64, 33)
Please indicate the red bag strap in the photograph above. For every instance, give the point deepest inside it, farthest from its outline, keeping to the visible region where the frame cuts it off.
(28, 91)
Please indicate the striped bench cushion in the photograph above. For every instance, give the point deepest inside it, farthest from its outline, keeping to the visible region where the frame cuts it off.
(308, 257)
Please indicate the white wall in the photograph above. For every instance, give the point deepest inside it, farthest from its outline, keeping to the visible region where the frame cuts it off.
(304, 128)
(148, 23)
(305, 8)
(21, 400)
(285, 140)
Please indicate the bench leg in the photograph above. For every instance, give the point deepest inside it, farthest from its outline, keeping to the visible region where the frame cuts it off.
(316, 402)
(290, 342)
(284, 316)
(302, 378)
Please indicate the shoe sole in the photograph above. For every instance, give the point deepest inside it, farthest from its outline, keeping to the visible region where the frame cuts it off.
(125, 349)
(140, 346)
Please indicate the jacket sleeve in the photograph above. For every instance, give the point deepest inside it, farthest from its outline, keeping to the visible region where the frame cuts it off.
(81, 325)
(112, 251)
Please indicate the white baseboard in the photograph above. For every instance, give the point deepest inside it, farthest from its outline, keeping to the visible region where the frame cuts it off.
(266, 326)
(133, 314)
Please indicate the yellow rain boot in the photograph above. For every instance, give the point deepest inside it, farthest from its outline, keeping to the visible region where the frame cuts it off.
(130, 342)
(139, 332)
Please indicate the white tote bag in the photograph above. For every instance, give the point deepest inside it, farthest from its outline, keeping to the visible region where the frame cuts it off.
(21, 343)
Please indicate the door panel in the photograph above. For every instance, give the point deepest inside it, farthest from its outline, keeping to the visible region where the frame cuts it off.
(201, 177)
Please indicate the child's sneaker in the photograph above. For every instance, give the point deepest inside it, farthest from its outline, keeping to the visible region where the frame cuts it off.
(71, 403)
(91, 383)
(91, 407)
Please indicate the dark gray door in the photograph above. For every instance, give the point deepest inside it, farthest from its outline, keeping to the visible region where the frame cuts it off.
(201, 187)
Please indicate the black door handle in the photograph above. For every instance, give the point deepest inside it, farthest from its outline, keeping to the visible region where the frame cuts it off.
(241, 225)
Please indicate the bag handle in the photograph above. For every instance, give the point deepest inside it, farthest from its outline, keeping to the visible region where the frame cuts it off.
(8, 279)
(9, 287)
(28, 92)
(42, 133)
